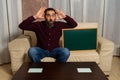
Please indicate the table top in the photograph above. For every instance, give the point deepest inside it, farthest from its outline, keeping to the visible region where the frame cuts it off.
(60, 71)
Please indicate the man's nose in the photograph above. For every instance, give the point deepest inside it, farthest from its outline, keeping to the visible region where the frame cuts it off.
(50, 17)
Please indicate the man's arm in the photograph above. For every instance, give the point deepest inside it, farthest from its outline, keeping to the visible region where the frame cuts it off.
(70, 23)
(29, 23)
(39, 14)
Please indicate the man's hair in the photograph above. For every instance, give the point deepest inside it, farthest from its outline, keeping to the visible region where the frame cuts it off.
(49, 9)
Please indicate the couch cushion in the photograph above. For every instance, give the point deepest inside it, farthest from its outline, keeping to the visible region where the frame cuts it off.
(48, 59)
(78, 56)
(84, 56)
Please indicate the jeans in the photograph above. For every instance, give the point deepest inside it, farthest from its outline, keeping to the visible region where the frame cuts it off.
(60, 54)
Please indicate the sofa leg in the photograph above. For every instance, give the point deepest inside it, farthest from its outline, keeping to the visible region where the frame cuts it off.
(107, 75)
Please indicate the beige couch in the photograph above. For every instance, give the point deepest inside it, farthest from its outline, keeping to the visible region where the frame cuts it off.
(18, 49)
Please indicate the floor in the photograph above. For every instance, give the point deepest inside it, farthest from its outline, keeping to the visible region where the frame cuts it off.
(5, 70)
(115, 72)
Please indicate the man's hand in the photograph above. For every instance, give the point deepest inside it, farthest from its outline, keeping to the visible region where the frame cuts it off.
(39, 14)
(60, 14)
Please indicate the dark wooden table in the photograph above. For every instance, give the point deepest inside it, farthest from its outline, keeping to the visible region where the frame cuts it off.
(60, 71)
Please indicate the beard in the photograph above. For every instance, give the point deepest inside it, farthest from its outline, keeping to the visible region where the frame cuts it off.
(50, 23)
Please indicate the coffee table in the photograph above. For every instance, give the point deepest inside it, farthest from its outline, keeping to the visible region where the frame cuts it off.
(60, 71)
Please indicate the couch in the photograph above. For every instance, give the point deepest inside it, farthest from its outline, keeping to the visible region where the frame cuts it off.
(18, 49)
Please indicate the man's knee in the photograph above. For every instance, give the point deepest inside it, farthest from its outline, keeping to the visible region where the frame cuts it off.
(32, 51)
(63, 55)
(65, 52)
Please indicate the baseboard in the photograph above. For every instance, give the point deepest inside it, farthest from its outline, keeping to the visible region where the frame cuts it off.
(116, 50)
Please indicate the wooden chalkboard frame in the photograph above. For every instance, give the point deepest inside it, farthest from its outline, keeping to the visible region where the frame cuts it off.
(63, 30)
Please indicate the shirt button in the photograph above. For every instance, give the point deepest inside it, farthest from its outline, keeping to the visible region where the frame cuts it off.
(48, 44)
(49, 33)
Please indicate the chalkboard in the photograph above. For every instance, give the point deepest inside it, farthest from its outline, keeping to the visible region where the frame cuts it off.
(79, 39)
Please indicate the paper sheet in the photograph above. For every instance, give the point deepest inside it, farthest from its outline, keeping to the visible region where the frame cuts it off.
(35, 70)
(84, 70)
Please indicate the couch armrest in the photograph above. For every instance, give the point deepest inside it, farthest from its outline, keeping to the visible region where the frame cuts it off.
(18, 48)
(105, 44)
(105, 50)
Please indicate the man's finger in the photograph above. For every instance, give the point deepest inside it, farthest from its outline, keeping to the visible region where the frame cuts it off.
(43, 8)
(57, 11)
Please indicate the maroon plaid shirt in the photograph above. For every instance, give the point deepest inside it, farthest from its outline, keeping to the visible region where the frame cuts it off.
(47, 38)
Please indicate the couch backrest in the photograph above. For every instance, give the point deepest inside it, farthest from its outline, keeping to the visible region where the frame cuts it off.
(32, 35)
(80, 25)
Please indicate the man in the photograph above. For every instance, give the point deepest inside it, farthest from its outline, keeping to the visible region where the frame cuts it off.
(48, 33)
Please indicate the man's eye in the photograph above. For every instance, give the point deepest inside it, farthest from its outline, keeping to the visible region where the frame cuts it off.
(53, 15)
(50, 15)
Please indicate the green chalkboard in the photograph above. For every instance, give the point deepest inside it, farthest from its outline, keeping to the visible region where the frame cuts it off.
(80, 39)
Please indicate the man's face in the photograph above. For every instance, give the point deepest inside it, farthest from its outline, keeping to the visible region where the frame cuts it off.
(50, 16)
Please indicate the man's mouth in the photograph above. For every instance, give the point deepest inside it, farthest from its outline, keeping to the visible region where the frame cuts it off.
(51, 21)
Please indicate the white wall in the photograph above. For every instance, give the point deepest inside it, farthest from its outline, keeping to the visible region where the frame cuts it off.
(10, 17)
(14, 17)
(112, 23)
(4, 32)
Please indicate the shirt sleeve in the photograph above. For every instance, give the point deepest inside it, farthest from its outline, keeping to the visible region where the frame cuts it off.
(28, 24)
(70, 23)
